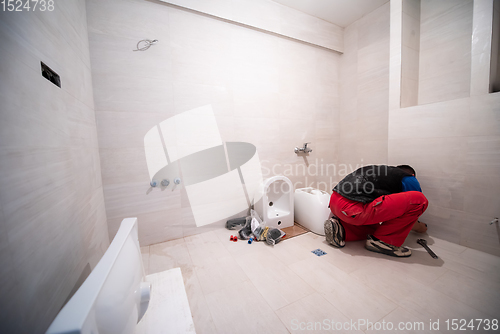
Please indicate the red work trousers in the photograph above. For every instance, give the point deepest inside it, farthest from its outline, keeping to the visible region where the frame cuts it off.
(388, 218)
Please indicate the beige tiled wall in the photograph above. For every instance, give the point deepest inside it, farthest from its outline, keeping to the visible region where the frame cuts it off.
(270, 91)
(52, 217)
(455, 147)
(495, 49)
(364, 90)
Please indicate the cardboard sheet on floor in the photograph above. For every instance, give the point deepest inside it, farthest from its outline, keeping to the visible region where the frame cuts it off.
(294, 231)
(168, 310)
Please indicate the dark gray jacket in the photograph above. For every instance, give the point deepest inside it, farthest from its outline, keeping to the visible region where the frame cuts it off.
(367, 183)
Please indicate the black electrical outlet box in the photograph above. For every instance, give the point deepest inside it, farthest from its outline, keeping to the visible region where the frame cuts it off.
(50, 75)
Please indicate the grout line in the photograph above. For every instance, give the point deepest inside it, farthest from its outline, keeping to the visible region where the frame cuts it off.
(226, 156)
(145, 264)
(393, 310)
(437, 278)
(245, 190)
(163, 143)
(195, 275)
(275, 312)
(410, 312)
(459, 301)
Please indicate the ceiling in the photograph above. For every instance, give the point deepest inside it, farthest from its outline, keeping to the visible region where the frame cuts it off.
(339, 12)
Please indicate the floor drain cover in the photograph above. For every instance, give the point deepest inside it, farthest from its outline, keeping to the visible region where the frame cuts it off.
(318, 252)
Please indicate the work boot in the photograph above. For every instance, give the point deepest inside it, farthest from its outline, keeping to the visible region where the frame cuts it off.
(334, 232)
(376, 245)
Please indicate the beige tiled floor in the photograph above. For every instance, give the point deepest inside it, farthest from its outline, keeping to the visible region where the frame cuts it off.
(234, 287)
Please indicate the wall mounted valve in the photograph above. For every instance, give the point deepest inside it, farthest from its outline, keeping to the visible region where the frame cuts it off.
(304, 149)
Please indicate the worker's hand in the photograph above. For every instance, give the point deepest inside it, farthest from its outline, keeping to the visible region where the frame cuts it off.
(419, 227)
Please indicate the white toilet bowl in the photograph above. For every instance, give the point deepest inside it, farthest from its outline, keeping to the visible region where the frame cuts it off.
(311, 209)
(273, 202)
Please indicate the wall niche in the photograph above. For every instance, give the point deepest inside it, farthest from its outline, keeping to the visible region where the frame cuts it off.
(495, 49)
(436, 51)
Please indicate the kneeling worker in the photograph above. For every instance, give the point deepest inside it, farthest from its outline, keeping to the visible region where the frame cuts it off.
(380, 204)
